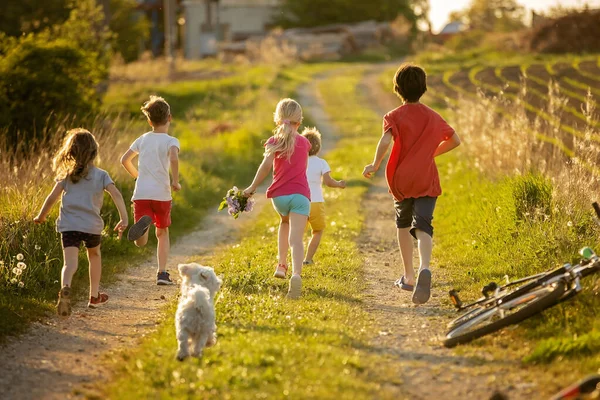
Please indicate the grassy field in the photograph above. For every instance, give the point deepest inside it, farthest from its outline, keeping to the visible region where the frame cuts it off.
(270, 347)
(517, 198)
(215, 121)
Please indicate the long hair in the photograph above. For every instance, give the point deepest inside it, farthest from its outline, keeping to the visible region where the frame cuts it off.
(72, 160)
(287, 113)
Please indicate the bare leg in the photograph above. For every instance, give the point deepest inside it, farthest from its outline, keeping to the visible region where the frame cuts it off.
(95, 260)
(141, 242)
(313, 245)
(405, 242)
(163, 248)
(71, 256)
(425, 248)
(297, 225)
(283, 243)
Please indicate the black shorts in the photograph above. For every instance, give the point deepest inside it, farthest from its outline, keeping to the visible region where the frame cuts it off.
(74, 239)
(415, 213)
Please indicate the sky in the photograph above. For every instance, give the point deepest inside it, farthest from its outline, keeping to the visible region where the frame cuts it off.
(441, 9)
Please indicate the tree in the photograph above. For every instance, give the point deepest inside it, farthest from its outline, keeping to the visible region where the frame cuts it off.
(310, 13)
(492, 15)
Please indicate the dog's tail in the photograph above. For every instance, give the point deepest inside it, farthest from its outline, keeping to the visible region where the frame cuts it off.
(200, 296)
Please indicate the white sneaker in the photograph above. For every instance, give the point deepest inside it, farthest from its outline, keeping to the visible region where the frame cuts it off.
(295, 289)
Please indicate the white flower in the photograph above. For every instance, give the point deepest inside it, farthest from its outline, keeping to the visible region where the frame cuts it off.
(21, 265)
(13, 280)
(570, 224)
(21, 285)
(17, 271)
(38, 247)
(272, 229)
(20, 257)
(332, 223)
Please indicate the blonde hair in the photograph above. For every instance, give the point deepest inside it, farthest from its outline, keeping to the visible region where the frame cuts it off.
(314, 137)
(72, 161)
(157, 110)
(287, 113)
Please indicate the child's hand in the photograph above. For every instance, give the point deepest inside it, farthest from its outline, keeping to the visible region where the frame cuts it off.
(249, 191)
(176, 186)
(342, 184)
(39, 219)
(120, 227)
(369, 171)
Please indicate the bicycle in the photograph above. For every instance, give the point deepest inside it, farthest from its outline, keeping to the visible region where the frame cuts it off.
(506, 305)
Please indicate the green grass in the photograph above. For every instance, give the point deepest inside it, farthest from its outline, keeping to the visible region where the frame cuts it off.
(269, 347)
(515, 227)
(220, 134)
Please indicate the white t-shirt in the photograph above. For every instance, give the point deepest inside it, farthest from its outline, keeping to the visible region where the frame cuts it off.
(153, 182)
(315, 170)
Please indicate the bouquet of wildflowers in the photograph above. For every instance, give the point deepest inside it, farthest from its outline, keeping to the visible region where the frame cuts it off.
(236, 202)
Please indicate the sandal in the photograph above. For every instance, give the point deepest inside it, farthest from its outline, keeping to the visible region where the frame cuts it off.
(280, 271)
(404, 286)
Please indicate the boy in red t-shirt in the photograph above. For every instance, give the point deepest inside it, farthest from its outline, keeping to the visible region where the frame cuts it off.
(419, 134)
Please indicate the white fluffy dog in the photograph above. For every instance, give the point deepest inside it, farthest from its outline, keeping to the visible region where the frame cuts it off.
(195, 317)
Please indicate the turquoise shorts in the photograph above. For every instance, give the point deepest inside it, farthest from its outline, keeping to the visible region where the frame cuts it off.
(295, 203)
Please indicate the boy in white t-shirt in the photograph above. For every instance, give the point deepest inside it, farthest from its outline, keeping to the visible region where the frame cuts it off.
(317, 172)
(152, 194)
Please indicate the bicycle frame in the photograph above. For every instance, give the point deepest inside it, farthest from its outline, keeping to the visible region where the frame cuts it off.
(572, 275)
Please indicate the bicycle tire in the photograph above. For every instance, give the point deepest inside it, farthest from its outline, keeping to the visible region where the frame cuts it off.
(539, 304)
(466, 317)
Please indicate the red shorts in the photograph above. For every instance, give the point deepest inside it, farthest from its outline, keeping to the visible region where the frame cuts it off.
(160, 211)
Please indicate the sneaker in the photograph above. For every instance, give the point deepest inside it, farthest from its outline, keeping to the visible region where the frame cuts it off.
(163, 278)
(295, 289)
(138, 229)
(97, 301)
(307, 262)
(63, 307)
(280, 271)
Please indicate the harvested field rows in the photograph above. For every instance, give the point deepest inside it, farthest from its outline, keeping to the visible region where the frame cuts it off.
(559, 98)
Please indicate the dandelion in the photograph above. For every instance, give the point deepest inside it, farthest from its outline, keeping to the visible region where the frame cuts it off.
(17, 271)
(38, 247)
(21, 265)
(272, 229)
(570, 224)
(13, 280)
(333, 223)
(21, 284)
(20, 257)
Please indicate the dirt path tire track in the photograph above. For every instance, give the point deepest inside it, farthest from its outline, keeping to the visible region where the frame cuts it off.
(412, 334)
(59, 358)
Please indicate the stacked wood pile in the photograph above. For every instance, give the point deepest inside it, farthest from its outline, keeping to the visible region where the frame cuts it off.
(329, 42)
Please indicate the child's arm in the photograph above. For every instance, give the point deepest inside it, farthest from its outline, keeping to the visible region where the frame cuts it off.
(382, 148)
(174, 160)
(126, 162)
(117, 198)
(332, 183)
(447, 145)
(48, 203)
(261, 174)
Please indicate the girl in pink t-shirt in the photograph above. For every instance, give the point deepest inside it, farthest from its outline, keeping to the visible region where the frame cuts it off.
(287, 151)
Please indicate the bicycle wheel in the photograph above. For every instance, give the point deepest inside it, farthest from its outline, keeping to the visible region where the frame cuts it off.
(504, 314)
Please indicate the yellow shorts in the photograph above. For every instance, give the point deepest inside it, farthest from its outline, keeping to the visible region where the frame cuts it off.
(317, 216)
